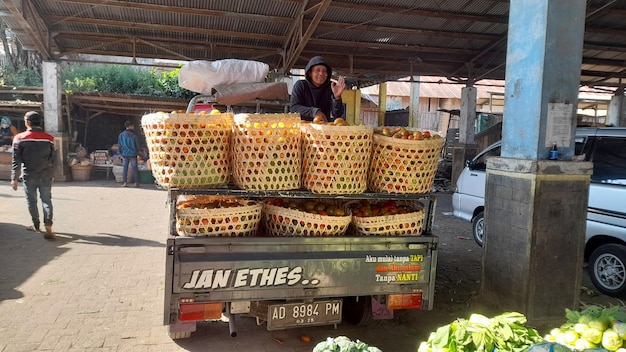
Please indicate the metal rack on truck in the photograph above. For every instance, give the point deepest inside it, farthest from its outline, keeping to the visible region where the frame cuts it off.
(296, 281)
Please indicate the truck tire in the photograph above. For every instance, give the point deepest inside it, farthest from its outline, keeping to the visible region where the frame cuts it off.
(607, 269)
(478, 228)
(180, 335)
(357, 310)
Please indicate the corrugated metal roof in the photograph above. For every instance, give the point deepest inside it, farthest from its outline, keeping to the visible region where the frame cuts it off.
(441, 87)
(369, 41)
(438, 87)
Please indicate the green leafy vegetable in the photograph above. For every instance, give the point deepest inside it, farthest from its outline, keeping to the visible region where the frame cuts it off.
(505, 332)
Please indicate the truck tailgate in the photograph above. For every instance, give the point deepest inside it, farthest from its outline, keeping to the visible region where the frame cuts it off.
(255, 268)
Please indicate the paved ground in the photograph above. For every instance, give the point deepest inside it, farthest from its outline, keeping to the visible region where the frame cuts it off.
(100, 285)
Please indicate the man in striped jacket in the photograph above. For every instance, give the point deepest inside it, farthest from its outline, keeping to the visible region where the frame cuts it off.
(34, 152)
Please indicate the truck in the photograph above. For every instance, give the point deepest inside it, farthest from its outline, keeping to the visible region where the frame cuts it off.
(296, 281)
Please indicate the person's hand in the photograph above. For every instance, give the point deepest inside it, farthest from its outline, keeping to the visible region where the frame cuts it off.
(319, 117)
(338, 87)
(14, 185)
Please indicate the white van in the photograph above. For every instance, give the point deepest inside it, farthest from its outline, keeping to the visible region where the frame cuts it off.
(605, 249)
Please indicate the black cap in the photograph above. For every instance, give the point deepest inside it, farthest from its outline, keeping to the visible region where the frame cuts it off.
(33, 117)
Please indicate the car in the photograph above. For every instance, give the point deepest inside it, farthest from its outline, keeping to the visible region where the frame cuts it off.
(605, 233)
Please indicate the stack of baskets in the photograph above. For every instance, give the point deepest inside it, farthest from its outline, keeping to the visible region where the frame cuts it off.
(189, 150)
(266, 151)
(263, 152)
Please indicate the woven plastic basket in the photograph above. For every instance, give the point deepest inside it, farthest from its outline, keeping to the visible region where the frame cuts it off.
(217, 216)
(409, 224)
(189, 150)
(266, 151)
(282, 221)
(335, 159)
(403, 165)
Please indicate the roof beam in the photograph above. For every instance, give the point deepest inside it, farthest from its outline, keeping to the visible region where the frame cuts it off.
(386, 46)
(292, 53)
(32, 24)
(410, 31)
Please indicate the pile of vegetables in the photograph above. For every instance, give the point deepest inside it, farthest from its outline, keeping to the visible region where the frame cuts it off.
(593, 327)
(343, 344)
(505, 332)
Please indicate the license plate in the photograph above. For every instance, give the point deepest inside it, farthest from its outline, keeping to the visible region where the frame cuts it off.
(289, 315)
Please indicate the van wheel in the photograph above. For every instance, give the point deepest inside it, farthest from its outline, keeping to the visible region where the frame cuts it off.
(357, 310)
(607, 269)
(478, 228)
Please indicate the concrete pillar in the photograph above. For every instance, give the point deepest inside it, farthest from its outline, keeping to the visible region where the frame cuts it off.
(53, 116)
(382, 103)
(616, 115)
(468, 115)
(414, 103)
(534, 241)
(466, 149)
(535, 209)
(52, 95)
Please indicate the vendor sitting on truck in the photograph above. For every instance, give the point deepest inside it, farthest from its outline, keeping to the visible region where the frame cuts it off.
(7, 131)
(317, 97)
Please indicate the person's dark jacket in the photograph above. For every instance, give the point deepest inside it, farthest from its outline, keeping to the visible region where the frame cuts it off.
(306, 98)
(34, 151)
(127, 142)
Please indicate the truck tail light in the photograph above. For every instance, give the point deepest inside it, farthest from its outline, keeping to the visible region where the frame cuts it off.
(407, 301)
(200, 311)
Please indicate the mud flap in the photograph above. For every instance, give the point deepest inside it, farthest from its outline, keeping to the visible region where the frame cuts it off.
(187, 326)
(380, 311)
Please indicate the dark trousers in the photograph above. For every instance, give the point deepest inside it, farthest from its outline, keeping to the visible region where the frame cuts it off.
(43, 185)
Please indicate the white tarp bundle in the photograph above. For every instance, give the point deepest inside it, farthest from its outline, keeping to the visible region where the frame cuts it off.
(201, 76)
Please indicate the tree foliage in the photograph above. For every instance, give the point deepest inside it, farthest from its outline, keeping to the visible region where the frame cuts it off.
(20, 67)
(123, 79)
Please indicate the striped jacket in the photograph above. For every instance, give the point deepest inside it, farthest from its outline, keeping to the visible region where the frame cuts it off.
(34, 152)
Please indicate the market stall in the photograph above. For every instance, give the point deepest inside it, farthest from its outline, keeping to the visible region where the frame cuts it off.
(6, 155)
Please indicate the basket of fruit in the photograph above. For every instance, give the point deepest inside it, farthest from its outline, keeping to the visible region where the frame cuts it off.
(189, 150)
(404, 161)
(217, 216)
(266, 151)
(335, 157)
(387, 218)
(305, 217)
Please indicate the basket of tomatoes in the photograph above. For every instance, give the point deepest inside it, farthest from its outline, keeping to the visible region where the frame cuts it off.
(387, 218)
(305, 217)
(266, 151)
(404, 160)
(217, 216)
(336, 157)
(189, 150)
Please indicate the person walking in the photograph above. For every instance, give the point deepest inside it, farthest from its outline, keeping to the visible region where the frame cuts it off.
(34, 153)
(129, 148)
(317, 98)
